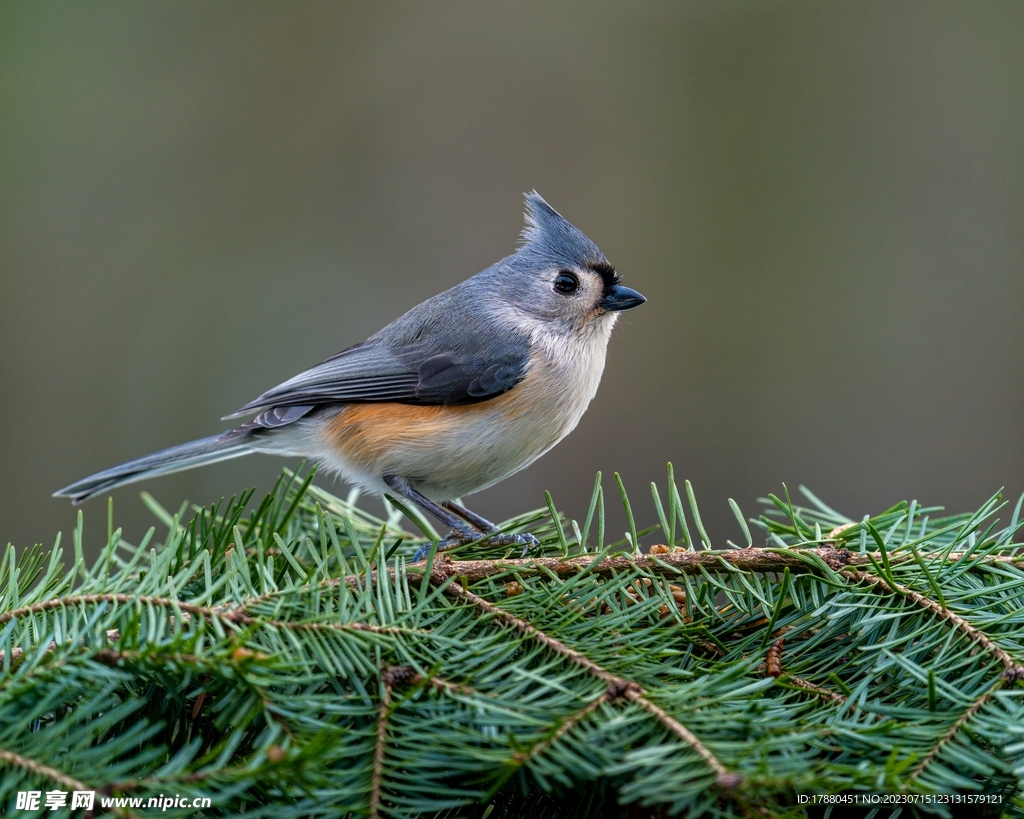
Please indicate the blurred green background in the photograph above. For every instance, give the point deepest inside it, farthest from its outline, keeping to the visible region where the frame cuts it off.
(823, 203)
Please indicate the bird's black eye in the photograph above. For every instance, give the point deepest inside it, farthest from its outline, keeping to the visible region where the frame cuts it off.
(566, 283)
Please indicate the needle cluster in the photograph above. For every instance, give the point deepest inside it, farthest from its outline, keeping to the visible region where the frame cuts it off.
(288, 659)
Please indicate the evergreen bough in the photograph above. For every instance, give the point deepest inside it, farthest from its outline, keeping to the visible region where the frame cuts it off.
(289, 661)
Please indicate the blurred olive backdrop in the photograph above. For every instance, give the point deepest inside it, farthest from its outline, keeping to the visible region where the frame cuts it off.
(823, 202)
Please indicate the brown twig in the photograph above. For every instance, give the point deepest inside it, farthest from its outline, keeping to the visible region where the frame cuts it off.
(18, 653)
(667, 564)
(379, 748)
(811, 688)
(693, 563)
(522, 757)
(236, 616)
(275, 754)
(726, 779)
(59, 777)
(88, 599)
(671, 564)
(955, 727)
(39, 769)
(368, 627)
(557, 646)
(113, 657)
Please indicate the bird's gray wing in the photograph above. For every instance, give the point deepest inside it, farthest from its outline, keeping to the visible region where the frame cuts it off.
(449, 368)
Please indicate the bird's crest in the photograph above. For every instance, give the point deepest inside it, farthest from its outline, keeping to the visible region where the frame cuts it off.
(552, 234)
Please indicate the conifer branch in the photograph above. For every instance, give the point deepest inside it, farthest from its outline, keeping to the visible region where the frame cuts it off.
(227, 774)
(570, 722)
(18, 653)
(89, 599)
(254, 634)
(455, 590)
(670, 564)
(961, 721)
(293, 626)
(57, 777)
(752, 559)
(235, 616)
(380, 745)
(617, 686)
(794, 681)
(1013, 669)
(113, 657)
(39, 769)
(726, 779)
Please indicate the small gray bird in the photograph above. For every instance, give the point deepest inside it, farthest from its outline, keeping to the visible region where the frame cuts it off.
(461, 392)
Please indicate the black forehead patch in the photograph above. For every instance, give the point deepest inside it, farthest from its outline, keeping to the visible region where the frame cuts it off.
(607, 273)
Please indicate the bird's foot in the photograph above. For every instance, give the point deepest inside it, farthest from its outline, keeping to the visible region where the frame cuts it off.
(464, 534)
(527, 541)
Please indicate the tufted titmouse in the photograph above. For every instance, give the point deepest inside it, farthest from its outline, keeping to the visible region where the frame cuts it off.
(462, 391)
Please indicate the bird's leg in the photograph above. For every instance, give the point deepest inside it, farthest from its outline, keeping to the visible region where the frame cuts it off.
(459, 532)
(472, 518)
(527, 541)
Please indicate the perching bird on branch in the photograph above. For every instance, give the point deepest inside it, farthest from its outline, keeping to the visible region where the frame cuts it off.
(461, 392)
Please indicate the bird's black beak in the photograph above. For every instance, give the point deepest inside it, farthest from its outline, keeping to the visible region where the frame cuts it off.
(617, 298)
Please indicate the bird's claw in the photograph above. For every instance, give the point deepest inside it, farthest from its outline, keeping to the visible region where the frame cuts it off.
(421, 553)
(460, 537)
(527, 541)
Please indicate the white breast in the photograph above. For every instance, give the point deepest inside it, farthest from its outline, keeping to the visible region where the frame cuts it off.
(449, 452)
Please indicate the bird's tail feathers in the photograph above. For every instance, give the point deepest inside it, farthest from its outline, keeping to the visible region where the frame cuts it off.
(233, 444)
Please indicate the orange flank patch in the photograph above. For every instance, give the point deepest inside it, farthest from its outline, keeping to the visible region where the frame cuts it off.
(364, 433)
(367, 433)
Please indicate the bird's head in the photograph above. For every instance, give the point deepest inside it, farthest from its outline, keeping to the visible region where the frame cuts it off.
(561, 278)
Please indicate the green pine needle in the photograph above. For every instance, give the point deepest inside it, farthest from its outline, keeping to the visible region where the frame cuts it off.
(284, 658)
